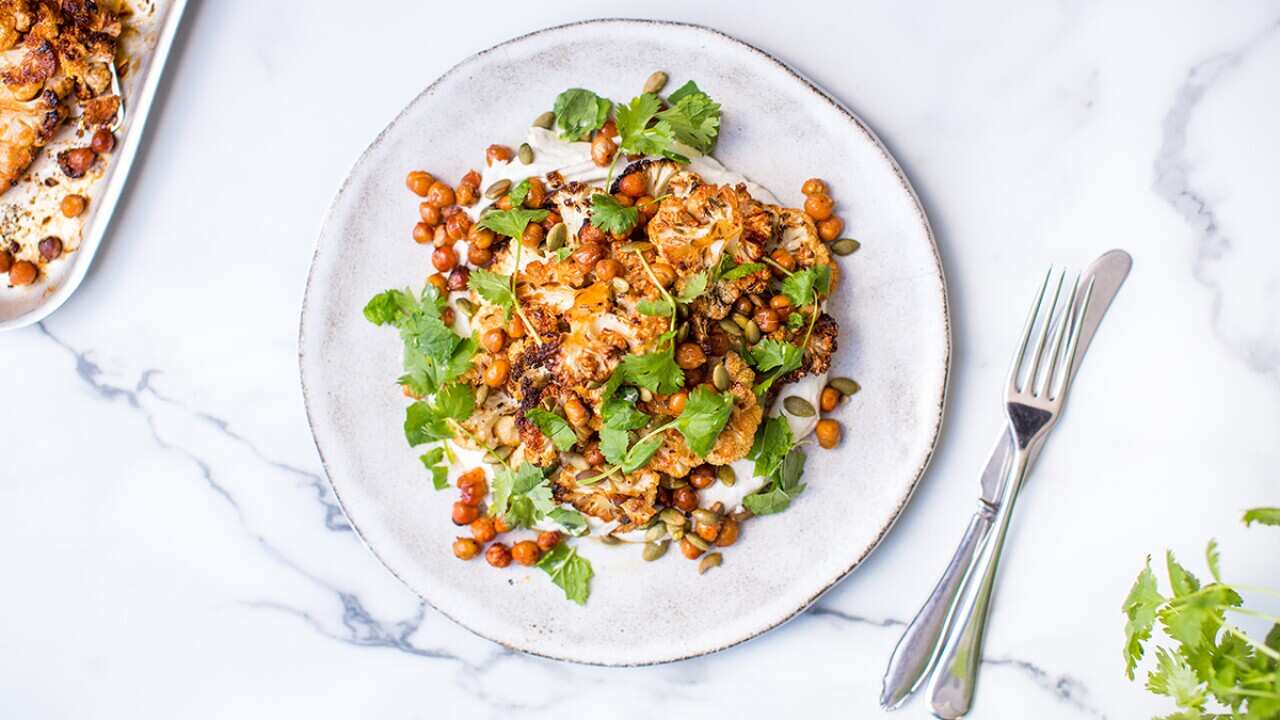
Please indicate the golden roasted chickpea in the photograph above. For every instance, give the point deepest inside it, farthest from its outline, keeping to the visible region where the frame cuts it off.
(466, 194)
(685, 499)
(440, 236)
(828, 432)
(458, 278)
(608, 269)
(481, 237)
(665, 274)
(537, 196)
(494, 339)
(444, 259)
(419, 182)
(766, 318)
(689, 550)
(465, 548)
(591, 234)
(813, 186)
(472, 178)
(829, 230)
(440, 195)
(422, 233)
(503, 203)
(464, 514)
(482, 529)
(784, 258)
(533, 235)
(706, 532)
(575, 412)
(633, 184)
(430, 214)
(526, 552)
(648, 207)
(624, 200)
(498, 153)
(588, 253)
(498, 555)
(6, 261)
(447, 316)
(73, 205)
(438, 282)
(515, 328)
(829, 399)
(744, 306)
(728, 532)
(457, 225)
(500, 524)
(781, 303)
(496, 374)
(602, 149)
(479, 256)
(548, 539)
(702, 477)
(819, 207)
(690, 355)
(103, 141)
(677, 401)
(23, 272)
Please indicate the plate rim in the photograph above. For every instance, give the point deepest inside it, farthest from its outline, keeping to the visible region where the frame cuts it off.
(820, 93)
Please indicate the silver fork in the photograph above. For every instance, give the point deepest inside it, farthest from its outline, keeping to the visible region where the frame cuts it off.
(1031, 405)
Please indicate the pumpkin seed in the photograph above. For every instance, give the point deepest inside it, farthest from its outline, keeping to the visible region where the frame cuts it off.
(682, 333)
(798, 406)
(545, 120)
(557, 236)
(697, 542)
(706, 517)
(637, 246)
(525, 153)
(742, 515)
(731, 328)
(498, 454)
(709, 561)
(655, 533)
(717, 507)
(610, 540)
(727, 476)
(756, 300)
(720, 377)
(677, 533)
(584, 475)
(845, 246)
(482, 394)
(741, 320)
(846, 386)
(671, 483)
(752, 331)
(498, 189)
(505, 430)
(620, 286)
(655, 83)
(468, 308)
(654, 550)
(646, 394)
(672, 516)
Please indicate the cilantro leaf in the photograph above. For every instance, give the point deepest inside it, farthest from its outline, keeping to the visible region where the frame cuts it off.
(561, 254)
(656, 308)
(439, 473)
(389, 306)
(426, 421)
(1182, 582)
(579, 112)
(693, 116)
(1140, 607)
(802, 287)
(638, 137)
(693, 287)
(610, 216)
(795, 320)
(737, 272)
(777, 495)
(772, 443)
(522, 497)
(1262, 515)
(613, 444)
(704, 416)
(431, 348)
(569, 571)
(519, 193)
(571, 520)
(640, 453)
(656, 371)
(1175, 678)
(556, 428)
(769, 354)
(621, 414)
(511, 223)
(1211, 557)
(493, 287)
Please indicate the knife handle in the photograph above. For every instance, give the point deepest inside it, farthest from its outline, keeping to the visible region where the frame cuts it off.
(922, 640)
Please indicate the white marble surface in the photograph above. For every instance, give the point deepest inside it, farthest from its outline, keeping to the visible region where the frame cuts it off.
(170, 549)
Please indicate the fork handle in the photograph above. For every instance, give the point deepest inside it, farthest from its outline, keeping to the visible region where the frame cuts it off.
(920, 643)
(957, 674)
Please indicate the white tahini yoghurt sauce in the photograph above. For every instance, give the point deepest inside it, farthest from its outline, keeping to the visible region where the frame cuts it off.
(573, 161)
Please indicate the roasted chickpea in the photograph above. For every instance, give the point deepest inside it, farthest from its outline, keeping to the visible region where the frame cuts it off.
(479, 256)
(690, 355)
(551, 220)
(591, 234)
(665, 274)
(481, 237)
(702, 477)
(819, 207)
(440, 237)
(829, 399)
(498, 153)
(494, 339)
(447, 316)
(766, 318)
(503, 203)
(602, 149)
(689, 550)
(73, 205)
(609, 129)
(685, 499)
(828, 432)
(784, 258)
(23, 272)
(438, 282)
(677, 401)
(594, 456)
(419, 182)
(729, 530)
(482, 529)
(465, 548)
(422, 233)
(744, 306)
(575, 412)
(496, 374)
(719, 342)
(50, 248)
(648, 207)
(472, 178)
(464, 514)
(498, 555)
(458, 279)
(457, 225)
(588, 254)
(444, 258)
(624, 200)
(76, 161)
(6, 261)
(515, 328)
(103, 141)
(781, 303)
(466, 194)
(526, 552)
(813, 186)
(608, 269)
(537, 196)
(473, 486)
(633, 184)
(830, 228)
(500, 524)
(533, 235)
(440, 195)
(430, 214)
(706, 532)
(548, 539)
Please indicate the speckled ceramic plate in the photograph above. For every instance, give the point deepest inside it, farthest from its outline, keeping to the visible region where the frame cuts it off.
(778, 130)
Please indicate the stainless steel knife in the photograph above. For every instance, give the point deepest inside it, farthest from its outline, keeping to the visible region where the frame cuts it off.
(921, 643)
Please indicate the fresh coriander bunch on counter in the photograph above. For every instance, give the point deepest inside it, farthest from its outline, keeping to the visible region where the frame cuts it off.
(1209, 660)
